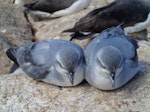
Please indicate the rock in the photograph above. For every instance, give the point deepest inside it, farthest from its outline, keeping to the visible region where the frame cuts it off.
(5, 62)
(18, 93)
(7, 1)
(14, 31)
(144, 51)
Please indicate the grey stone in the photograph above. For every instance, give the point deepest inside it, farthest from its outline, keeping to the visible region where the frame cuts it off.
(7, 1)
(14, 31)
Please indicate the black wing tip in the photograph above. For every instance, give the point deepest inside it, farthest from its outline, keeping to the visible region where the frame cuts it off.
(10, 55)
(13, 68)
(75, 34)
(79, 36)
(68, 30)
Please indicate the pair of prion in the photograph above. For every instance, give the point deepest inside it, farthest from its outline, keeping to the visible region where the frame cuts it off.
(109, 61)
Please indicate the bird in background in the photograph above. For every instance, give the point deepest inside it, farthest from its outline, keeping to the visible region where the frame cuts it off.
(58, 62)
(134, 14)
(111, 59)
(48, 9)
(22, 2)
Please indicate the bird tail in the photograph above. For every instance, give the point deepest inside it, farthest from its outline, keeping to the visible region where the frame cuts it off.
(11, 53)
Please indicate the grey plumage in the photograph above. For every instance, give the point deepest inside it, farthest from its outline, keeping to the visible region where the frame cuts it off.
(111, 59)
(57, 62)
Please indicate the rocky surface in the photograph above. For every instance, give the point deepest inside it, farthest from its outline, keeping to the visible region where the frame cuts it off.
(19, 93)
(7, 1)
(14, 31)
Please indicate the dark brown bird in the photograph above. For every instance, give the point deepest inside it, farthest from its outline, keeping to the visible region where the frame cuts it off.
(55, 8)
(128, 12)
(49, 5)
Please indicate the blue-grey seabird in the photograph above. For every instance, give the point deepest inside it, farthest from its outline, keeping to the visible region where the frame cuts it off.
(134, 14)
(58, 62)
(111, 59)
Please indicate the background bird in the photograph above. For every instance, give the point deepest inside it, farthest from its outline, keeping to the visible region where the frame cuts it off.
(22, 2)
(134, 14)
(111, 59)
(46, 9)
(57, 62)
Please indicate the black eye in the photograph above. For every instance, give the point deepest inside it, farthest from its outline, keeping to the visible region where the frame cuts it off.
(113, 75)
(59, 64)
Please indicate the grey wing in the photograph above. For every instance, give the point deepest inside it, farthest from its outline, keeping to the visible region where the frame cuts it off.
(134, 48)
(127, 48)
(36, 60)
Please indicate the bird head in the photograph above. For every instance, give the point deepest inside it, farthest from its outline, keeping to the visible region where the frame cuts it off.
(110, 61)
(67, 61)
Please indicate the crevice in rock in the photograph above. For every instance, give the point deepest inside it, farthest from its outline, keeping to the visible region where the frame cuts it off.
(33, 30)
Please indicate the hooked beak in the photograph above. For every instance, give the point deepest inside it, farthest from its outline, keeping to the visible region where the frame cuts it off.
(71, 77)
(112, 79)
